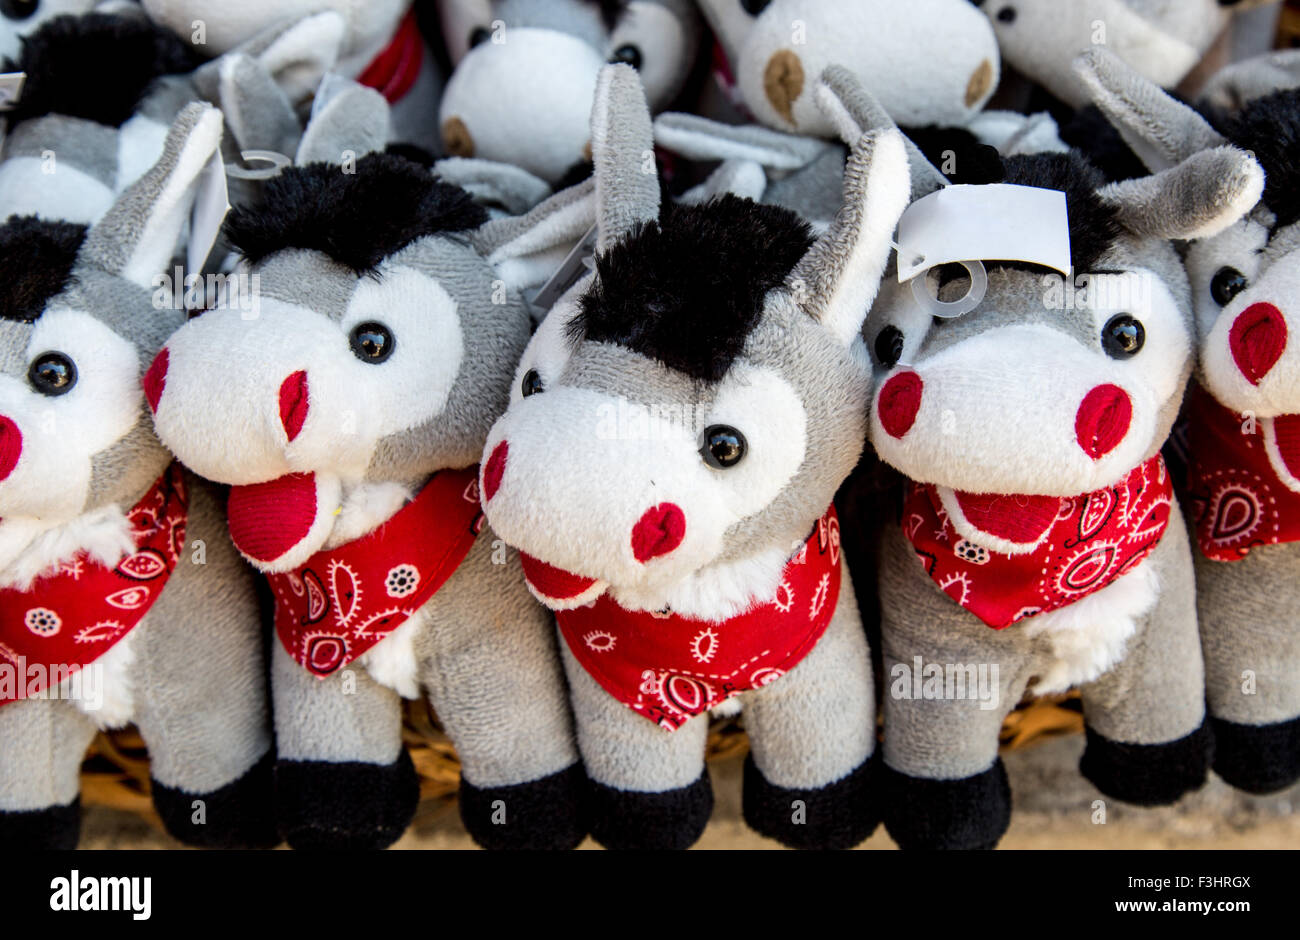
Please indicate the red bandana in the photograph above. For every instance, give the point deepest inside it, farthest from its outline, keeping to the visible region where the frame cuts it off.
(1245, 487)
(670, 668)
(395, 69)
(73, 616)
(1090, 541)
(342, 601)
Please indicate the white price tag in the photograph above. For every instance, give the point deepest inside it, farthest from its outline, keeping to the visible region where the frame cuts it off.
(211, 203)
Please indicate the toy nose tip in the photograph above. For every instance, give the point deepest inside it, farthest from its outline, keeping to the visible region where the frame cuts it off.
(155, 380)
(783, 81)
(899, 402)
(1103, 420)
(659, 531)
(456, 138)
(494, 470)
(1257, 340)
(294, 403)
(11, 446)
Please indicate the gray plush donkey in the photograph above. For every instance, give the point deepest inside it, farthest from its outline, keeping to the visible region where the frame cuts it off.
(677, 430)
(347, 408)
(1245, 434)
(1030, 428)
(101, 564)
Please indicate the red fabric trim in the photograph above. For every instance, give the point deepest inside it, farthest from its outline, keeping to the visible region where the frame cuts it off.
(342, 601)
(395, 69)
(1095, 539)
(669, 668)
(70, 618)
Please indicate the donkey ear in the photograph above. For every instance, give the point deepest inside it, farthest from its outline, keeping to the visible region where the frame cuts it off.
(837, 280)
(1199, 198)
(698, 138)
(526, 250)
(512, 188)
(1161, 130)
(138, 236)
(355, 119)
(622, 149)
(854, 111)
(299, 56)
(258, 115)
(1231, 87)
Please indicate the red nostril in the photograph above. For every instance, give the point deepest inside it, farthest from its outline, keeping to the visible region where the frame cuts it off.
(155, 380)
(495, 470)
(11, 447)
(660, 530)
(1257, 340)
(293, 403)
(899, 401)
(1103, 420)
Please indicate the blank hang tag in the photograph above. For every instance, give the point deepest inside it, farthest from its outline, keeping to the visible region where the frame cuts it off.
(997, 222)
(211, 203)
(11, 89)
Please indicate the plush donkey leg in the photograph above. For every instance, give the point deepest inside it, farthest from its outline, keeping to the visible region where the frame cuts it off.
(1252, 658)
(343, 779)
(649, 788)
(811, 778)
(1148, 740)
(499, 692)
(42, 743)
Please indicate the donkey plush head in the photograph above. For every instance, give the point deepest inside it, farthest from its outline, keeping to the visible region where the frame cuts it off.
(685, 414)
(927, 61)
(1039, 389)
(79, 330)
(525, 72)
(379, 349)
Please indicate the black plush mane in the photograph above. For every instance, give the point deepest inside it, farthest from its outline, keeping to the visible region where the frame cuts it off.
(688, 289)
(36, 259)
(1270, 126)
(359, 218)
(97, 66)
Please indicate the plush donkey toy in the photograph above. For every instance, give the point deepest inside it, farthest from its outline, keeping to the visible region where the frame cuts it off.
(668, 481)
(1040, 546)
(525, 73)
(121, 597)
(1245, 446)
(348, 415)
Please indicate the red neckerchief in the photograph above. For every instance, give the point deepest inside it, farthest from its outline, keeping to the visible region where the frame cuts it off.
(1095, 539)
(1245, 487)
(69, 618)
(342, 601)
(395, 69)
(670, 668)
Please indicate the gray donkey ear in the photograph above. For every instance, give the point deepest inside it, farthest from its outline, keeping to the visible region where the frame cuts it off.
(297, 57)
(352, 119)
(258, 115)
(1161, 130)
(138, 236)
(854, 111)
(699, 138)
(837, 280)
(1241, 82)
(622, 149)
(528, 249)
(1199, 198)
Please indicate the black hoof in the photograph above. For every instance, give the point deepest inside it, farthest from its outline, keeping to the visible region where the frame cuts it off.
(545, 814)
(1257, 758)
(240, 815)
(350, 805)
(55, 827)
(672, 819)
(970, 813)
(837, 816)
(1148, 774)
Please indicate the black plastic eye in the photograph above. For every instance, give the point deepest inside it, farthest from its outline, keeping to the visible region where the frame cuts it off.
(754, 7)
(19, 9)
(479, 35)
(52, 374)
(628, 55)
(723, 447)
(1007, 14)
(889, 346)
(1227, 284)
(372, 342)
(1123, 336)
(532, 384)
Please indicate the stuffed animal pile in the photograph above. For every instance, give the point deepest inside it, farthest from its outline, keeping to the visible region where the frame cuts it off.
(591, 370)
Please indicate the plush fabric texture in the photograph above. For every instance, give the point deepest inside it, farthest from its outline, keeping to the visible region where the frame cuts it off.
(1148, 774)
(347, 805)
(1270, 128)
(531, 820)
(1257, 758)
(236, 816)
(837, 816)
(358, 219)
(688, 289)
(97, 66)
(967, 813)
(666, 820)
(55, 829)
(36, 262)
